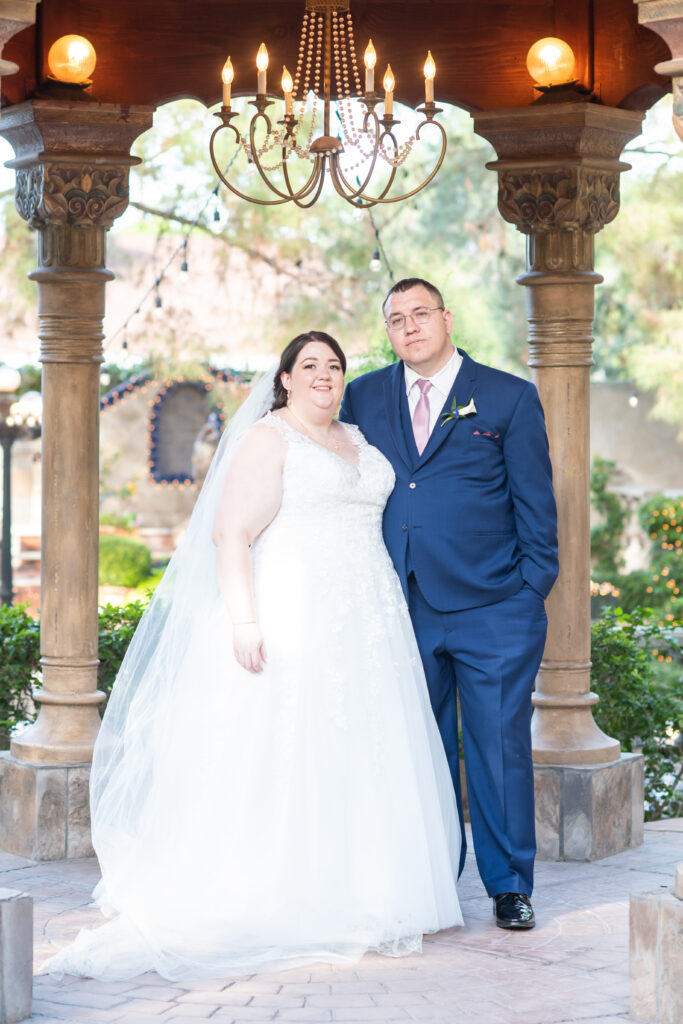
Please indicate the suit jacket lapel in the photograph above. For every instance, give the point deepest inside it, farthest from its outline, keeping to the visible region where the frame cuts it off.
(398, 415)
(462, 390)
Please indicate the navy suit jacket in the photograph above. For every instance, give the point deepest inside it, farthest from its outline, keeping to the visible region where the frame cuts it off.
(474, 516)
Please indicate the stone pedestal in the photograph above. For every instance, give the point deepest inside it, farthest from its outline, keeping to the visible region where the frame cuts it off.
(656, 955)
(589, 812)
(16, 955)
(45, 810)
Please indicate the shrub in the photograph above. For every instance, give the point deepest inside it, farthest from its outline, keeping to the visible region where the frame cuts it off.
(20, 645)
(117, 625)
(606, 537)
(640, 707)
(20, 667)
(124, 562)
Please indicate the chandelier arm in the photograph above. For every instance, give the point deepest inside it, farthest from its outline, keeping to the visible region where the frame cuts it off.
(306, 206)
(347, 190)
(214, 133)
(308, 187)
(233, 189)
(359, 193)
(350, 193)
(408, 195)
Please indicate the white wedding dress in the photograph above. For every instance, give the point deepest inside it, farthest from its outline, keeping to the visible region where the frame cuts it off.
(304, 814)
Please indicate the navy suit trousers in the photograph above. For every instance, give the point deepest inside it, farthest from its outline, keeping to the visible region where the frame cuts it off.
(489, 657)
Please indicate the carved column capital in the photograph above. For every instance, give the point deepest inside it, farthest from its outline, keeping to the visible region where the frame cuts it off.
(665, 17)
(558, 175)
(552, 199)
(72, 162)
(78, 195)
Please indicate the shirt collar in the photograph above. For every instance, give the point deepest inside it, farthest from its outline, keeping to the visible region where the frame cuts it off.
(442, 380)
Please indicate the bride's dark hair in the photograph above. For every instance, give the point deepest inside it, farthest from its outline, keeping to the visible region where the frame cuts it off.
(289, 358)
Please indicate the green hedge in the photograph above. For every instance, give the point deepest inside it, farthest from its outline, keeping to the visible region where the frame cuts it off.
(20, 646)
(124, 562)
(636, 672)
(20, 665)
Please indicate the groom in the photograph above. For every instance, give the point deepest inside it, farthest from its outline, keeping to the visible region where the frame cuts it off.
(471, 529)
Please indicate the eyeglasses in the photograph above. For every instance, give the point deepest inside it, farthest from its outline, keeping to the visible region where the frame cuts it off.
(420, 316)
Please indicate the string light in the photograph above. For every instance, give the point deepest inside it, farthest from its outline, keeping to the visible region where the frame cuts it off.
(181, 248)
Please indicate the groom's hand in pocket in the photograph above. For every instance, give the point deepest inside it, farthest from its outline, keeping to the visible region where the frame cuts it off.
(248, 646)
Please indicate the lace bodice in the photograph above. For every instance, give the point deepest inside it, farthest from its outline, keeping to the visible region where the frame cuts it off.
(326, 498)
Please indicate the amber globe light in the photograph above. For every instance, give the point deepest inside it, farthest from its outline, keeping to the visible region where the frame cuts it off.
(550, 61)
(72, 59)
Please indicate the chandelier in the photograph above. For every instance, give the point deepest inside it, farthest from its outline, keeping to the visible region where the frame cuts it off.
(326, 48)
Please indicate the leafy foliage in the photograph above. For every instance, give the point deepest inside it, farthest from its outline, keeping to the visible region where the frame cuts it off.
(20, 645)
(639, 706)
(20, 667)
(124, 562)
(606, 537)
(117, 625)
(662, 519)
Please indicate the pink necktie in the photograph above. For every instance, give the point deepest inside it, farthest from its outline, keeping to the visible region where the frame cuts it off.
(421, 415)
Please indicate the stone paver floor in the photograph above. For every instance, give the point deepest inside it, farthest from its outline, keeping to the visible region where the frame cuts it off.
(573, 967)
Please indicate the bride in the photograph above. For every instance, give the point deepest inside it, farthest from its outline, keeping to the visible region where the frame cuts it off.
(269, 787)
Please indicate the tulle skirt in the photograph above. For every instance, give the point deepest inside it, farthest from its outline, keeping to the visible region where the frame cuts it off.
(260, 822)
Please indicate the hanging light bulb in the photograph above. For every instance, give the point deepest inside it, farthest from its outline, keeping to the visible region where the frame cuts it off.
(633, 400)
(375, 262)
(72, 59)
(158, 307)
(550, 62)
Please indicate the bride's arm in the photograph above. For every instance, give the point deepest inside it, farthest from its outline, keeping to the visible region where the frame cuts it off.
(251, 497)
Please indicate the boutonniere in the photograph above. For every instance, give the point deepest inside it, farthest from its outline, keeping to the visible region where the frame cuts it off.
(458, 411)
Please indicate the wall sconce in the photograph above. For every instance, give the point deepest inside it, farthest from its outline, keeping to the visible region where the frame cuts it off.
(72, 60)
(550, 62)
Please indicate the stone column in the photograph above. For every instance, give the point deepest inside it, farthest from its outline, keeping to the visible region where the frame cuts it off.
(656, 920)
(72, 163)
(15, 15)
(558, 173)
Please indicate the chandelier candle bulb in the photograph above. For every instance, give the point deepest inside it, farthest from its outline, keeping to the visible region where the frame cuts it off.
(389, 84)
(262, 66)
(430, 72)
(227, 75)
(370, 60)
(287, 86)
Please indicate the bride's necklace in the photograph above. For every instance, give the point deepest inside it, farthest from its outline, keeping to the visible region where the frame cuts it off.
(333, 445)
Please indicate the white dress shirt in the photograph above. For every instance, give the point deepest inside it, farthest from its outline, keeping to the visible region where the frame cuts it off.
(442, 382)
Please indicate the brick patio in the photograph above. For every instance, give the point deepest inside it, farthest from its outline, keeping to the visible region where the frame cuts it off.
(572, 968)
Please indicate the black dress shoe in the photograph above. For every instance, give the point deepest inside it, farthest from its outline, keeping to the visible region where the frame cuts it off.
(513, 910)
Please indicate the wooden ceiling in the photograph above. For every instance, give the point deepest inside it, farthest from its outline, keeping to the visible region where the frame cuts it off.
(152, 51)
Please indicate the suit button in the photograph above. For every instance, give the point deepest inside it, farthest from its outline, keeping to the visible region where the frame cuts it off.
(404, 527)
(412, 486)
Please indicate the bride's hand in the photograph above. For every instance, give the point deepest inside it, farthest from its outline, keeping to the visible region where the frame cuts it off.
(248, 646)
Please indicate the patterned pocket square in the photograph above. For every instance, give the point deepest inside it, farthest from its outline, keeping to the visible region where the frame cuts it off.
(486, 433)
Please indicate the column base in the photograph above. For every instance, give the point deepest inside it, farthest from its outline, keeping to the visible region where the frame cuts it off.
(656, 954)
(16, 955)
(589, 812)
(44, 809)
